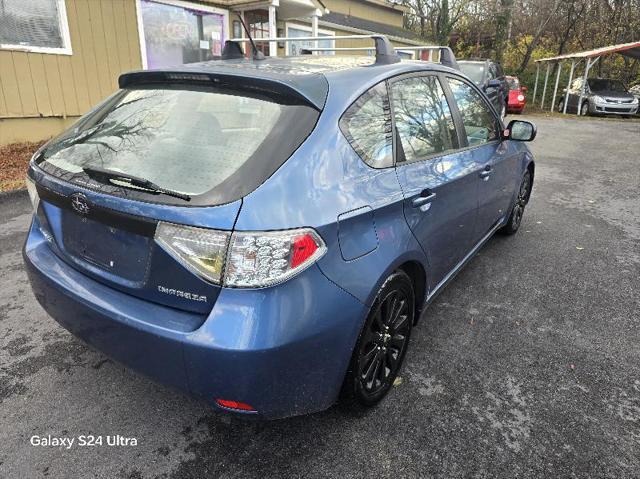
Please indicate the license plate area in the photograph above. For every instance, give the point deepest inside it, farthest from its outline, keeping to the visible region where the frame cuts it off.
(119, 252)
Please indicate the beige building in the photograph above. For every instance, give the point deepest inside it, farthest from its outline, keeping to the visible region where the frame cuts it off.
(58, 58)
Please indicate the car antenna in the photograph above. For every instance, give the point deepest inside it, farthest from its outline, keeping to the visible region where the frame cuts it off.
(257, 54)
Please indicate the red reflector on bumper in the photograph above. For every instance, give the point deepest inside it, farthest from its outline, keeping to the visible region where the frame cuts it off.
(240, 406)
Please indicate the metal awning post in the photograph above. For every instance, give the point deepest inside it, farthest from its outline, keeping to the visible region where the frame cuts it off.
(566, 95)
(555, 88)
(544, 90)
(273, 46)
(587, 67)
(535, 86)
(314, 27)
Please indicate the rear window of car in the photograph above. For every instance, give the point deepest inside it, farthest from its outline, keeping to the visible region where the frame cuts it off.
(189, 139)
(475, 71)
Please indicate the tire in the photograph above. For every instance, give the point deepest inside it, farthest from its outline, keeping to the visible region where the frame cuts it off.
(517, 211)
(382, 344)
(584, 109)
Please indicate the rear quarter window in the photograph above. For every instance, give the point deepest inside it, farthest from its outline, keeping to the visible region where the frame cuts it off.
(367, 126)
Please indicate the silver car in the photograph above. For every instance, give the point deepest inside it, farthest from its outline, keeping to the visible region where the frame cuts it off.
(635, 91)
(600, 96)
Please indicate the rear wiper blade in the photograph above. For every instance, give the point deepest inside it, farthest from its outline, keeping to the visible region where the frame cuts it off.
(101, 174)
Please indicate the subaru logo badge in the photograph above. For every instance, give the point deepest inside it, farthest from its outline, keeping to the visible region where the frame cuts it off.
(80, 204)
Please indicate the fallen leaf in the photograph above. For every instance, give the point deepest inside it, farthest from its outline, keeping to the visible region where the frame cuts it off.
(579, 248)
(397, 381)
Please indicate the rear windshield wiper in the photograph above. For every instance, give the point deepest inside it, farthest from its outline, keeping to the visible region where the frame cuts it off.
(110, 176)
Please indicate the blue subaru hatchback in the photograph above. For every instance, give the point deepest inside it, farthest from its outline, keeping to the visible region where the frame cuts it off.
(264, 234)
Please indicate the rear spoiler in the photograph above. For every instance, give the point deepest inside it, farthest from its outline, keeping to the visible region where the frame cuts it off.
(311, 89)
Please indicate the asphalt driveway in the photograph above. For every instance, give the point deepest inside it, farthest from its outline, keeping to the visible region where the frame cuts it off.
(528, 365)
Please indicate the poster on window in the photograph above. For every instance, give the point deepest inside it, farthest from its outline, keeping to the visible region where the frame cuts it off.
(176, 35)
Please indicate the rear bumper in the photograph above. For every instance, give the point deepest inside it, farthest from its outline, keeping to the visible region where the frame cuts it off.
(284, 350)
(515, 108)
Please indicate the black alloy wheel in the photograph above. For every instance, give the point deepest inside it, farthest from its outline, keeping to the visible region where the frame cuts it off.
(383, 343)
(515, 219)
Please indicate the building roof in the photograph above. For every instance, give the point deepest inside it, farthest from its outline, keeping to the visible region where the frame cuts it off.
(627, 49)
(368, 26)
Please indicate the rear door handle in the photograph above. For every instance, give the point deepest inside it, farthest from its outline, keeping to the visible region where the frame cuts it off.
(425, 197)
(486, 173)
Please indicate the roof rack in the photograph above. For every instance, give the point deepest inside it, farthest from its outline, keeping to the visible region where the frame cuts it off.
(385, 52)
(447, 58)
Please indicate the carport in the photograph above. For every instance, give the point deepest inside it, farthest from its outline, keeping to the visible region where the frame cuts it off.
(590, 58)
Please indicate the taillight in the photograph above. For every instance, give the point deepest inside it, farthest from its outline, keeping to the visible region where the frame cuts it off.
(237, 405)
(259, 259)
(242, 259)
(199, 249)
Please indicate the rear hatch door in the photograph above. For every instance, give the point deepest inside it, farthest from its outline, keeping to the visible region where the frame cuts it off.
(201, 145)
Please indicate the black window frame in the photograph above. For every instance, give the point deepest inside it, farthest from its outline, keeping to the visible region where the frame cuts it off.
(398, 151)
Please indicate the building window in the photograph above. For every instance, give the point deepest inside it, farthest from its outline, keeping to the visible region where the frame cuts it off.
(258, 24)
(175, 33)
(237, 29)
(294, 48)
(34, 26)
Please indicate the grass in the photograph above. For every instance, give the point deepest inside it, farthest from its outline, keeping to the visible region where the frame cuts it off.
(14, 159)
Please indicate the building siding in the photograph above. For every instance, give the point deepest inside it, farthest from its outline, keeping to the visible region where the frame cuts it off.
(105, 43)
(370, 11)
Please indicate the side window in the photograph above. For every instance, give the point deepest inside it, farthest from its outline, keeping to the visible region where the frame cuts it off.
(479, 121)
(367, 126)
(423, 118)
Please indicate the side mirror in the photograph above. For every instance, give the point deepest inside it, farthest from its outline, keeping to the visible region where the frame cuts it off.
(493, 84)
(525, 89)
(520, 130)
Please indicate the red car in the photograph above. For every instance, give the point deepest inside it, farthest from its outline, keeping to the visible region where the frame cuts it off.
(516, 100)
